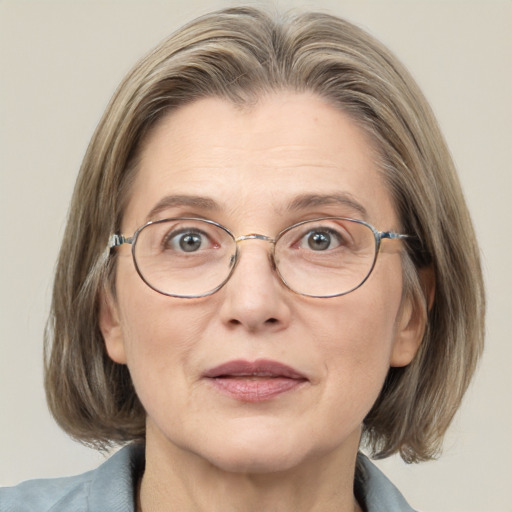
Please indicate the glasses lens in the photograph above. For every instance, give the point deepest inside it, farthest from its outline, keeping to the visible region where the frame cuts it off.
(326, 257)
(184, 257)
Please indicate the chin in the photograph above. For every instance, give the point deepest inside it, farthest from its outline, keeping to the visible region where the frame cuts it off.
(255, 461)
(263, 451)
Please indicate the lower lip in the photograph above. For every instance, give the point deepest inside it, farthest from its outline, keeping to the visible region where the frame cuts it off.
(255, 390)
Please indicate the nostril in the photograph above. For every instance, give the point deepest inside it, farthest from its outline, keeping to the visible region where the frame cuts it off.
(271, 321)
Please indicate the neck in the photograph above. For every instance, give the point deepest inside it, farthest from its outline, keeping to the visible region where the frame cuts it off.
(177, 479)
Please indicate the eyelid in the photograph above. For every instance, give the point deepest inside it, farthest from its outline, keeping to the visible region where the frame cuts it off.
(331, 226)
(172, 233)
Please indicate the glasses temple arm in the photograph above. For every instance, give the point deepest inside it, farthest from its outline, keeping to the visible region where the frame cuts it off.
(117, 240)
(394, 236)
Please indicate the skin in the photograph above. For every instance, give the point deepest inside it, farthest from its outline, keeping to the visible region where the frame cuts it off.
(296, 451)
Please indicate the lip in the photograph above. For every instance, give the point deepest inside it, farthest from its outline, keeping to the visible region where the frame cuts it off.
(255, 381)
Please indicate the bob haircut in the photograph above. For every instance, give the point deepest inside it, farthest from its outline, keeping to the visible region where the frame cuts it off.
(241, 55)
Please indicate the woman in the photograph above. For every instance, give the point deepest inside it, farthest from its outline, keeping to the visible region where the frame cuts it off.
(268, 261)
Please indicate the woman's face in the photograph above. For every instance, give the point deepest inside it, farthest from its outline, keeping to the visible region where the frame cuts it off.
(256, 378)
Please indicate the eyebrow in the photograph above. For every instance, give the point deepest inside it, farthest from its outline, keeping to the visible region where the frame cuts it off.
(312, 200)
(203, 203)
(302, 202)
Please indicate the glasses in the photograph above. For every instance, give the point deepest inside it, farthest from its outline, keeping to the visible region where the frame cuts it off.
(191, 257)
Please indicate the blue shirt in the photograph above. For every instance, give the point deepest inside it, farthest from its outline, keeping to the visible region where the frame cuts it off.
(111, 488)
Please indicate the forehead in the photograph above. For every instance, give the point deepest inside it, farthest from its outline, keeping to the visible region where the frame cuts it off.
(288, 152)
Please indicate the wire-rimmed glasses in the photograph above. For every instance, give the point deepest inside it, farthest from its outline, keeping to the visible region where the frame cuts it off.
(193, 257)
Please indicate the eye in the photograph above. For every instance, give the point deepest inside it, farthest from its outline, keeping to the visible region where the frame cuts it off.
(186, 241)
(320, 240)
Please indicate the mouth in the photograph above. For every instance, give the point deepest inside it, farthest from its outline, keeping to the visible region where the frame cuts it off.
(256, 381)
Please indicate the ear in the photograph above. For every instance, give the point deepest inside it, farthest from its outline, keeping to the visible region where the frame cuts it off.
(110, 328)
(412, 320)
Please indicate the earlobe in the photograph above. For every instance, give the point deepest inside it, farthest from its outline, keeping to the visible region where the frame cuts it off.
(412, 320)
(110, 328)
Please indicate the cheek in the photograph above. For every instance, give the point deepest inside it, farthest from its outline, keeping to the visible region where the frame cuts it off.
(155, 329)
(362, 324)
(161, 340)
(356, 337)
(160, 335)
(151, 323)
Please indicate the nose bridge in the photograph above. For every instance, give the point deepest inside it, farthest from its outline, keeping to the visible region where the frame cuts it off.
(255, 236)
(261, 238)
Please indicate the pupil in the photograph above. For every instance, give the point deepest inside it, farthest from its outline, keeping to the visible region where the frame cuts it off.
(319, 241)
(190, 242)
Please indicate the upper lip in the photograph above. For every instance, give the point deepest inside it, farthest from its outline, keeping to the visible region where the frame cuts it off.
(258, 368)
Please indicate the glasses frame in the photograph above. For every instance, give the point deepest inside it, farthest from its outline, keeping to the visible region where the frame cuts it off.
(116, 240)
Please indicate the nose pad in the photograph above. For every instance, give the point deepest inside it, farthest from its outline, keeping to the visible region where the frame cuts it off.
(272, 263)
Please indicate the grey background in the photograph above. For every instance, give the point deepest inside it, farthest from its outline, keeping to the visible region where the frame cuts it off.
(59, 64)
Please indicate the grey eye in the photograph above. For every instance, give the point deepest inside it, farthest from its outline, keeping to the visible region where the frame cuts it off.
(190, 242)
(319, 241)
(186, 241)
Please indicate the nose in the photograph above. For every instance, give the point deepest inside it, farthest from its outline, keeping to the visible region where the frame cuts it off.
(254, 297)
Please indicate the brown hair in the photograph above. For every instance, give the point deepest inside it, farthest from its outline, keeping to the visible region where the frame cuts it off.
(241, 54)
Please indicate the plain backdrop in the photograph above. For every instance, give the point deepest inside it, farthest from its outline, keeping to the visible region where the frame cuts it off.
(59, 64)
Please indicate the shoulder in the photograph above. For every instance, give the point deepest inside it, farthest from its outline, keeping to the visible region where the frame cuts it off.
(376, 491)
(109, 487)
(47, 494)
